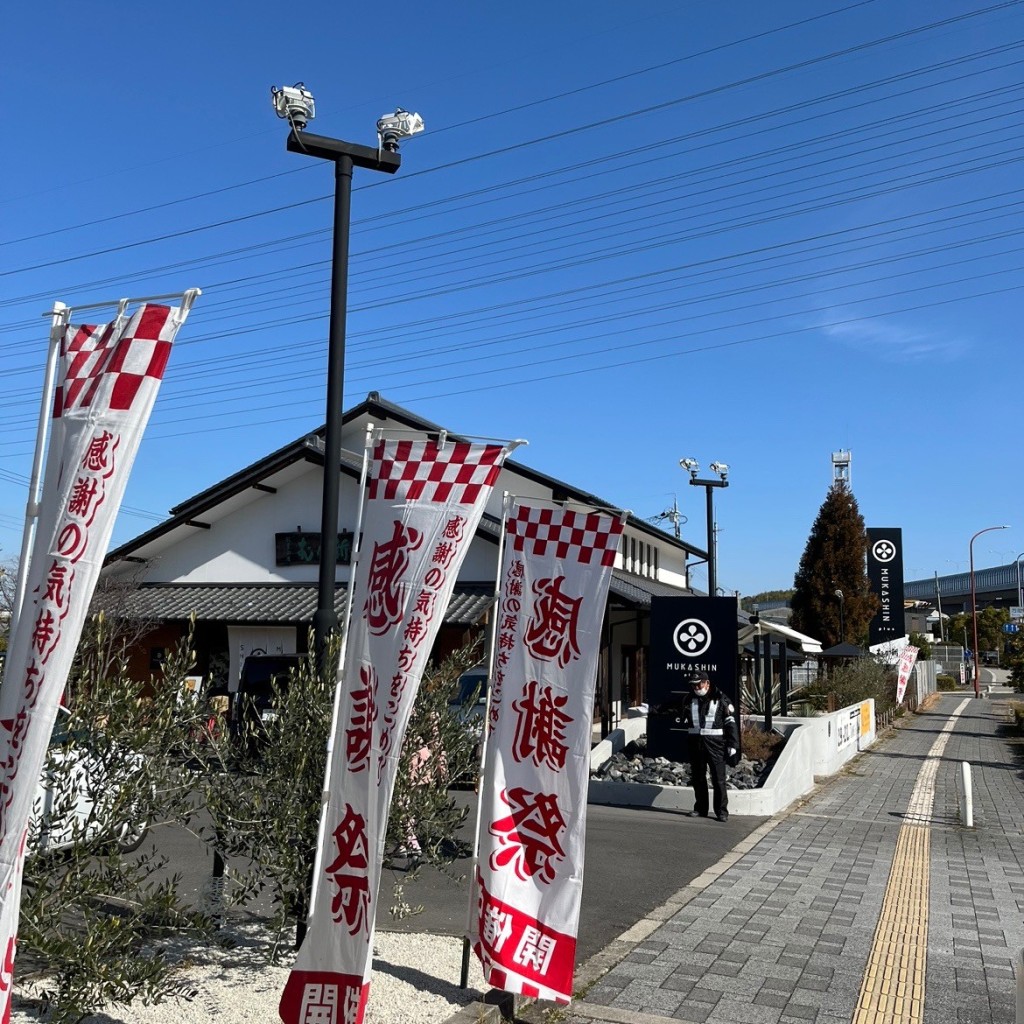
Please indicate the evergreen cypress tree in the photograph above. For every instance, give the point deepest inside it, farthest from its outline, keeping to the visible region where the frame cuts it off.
(834, 559)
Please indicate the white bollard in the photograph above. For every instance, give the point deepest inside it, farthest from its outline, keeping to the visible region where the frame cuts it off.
(968, 797)
(1020, 987)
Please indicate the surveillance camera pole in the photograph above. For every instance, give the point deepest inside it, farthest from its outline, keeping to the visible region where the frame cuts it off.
(345, 156)
(712, 554)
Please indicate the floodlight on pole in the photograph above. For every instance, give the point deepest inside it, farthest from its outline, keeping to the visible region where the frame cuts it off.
(692, 466)
(297, 106)
(974, 605)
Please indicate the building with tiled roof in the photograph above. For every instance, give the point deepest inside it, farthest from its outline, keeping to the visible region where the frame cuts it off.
(241, 559)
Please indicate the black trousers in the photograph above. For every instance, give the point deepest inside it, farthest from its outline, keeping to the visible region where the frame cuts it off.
(708, 752)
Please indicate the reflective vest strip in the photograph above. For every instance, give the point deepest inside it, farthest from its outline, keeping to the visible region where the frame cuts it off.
(695, 729)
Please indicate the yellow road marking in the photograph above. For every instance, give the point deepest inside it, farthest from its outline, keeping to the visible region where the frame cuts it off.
(892, 991)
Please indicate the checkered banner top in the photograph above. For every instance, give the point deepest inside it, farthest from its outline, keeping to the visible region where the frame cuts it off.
(423, 471)
(91, 353)
(584, 536)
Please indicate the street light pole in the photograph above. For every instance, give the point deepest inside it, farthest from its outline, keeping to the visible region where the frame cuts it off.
(974, 605)
(1020, 595)
(693, 468)
(345, 156)
(938, 606)
(842, 616)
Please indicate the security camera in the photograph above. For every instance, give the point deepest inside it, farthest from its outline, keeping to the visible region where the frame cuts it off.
(691, 465)
(392, 128)
(720, 468)
(294, 102)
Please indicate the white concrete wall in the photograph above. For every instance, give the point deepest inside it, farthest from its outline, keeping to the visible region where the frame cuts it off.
(837, 737)
(815, 748)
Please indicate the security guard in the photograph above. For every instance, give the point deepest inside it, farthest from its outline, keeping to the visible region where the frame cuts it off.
(710, 720)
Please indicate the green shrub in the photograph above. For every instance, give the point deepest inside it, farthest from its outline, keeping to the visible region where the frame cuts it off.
(859, 679)
(944, 682)
(758, 745)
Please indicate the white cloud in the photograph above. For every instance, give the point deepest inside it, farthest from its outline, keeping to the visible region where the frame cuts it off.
(900, 344)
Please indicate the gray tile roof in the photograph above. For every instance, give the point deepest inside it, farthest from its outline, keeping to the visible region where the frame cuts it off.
(273, 602)
(296, 602)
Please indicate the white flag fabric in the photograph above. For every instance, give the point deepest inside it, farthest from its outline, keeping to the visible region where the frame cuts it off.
(109, 378)
(423, 507)
(908, 656)
(555, 574)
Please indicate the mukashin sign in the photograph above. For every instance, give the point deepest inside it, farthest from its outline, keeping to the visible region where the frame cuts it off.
(689, 634)
(885, 577)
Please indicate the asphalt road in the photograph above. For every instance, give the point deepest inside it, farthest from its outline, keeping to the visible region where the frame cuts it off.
(635, 859)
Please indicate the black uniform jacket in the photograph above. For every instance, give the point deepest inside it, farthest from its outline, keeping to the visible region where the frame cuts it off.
(712, 718)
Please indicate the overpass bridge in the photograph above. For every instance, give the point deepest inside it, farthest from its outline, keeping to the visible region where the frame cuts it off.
(997, 587)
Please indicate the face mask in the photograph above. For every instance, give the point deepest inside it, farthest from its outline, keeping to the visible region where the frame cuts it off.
(701, 689)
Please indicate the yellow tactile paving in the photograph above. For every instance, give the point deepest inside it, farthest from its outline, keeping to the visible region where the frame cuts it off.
(892, 991)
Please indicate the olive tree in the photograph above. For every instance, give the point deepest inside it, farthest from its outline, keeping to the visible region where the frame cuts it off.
(264, 815)
(96, 905)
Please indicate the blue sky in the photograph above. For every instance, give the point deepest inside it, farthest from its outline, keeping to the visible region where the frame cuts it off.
(757, 233)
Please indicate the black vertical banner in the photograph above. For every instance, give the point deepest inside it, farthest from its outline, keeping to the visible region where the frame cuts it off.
(688, 634)
(885, 576)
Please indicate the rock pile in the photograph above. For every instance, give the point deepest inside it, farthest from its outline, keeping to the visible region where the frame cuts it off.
(632, 765)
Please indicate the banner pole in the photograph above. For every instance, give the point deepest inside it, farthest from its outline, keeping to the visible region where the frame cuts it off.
(301, 926)
(481, 775)
(59, 317)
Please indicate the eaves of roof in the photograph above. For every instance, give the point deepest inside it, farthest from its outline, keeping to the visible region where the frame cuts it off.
(637, 591)
(310, 447)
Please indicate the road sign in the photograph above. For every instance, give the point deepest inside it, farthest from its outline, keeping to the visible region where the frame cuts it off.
(1016, 612)
(1011, 627)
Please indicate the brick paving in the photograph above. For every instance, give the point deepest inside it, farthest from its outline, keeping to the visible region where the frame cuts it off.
(785, 931)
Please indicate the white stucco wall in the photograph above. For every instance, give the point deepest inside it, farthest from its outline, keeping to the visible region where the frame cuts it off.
(238, 546)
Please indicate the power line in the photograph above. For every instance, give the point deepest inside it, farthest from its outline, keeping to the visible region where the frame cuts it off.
(605, 122)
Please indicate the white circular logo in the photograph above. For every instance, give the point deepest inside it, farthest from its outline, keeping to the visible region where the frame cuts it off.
(691, 638)
(883, 550)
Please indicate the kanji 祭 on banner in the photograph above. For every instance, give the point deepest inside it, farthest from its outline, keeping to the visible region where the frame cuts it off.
(555, 574)
(423, 506)
(108, 383)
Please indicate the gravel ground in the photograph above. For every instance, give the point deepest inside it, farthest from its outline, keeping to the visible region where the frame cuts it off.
(415, 978)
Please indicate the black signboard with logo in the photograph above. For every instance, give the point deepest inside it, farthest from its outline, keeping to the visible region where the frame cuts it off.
(885, 577)
(688, 634)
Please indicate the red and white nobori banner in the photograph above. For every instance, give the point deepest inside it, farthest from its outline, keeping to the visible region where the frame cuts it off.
(423, 507)
(908, 656)
(108, 380)
(554, 581)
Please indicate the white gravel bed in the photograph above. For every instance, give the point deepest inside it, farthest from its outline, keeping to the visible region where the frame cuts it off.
(415, 978)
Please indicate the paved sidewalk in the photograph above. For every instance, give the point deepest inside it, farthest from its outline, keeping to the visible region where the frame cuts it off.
(867, 903)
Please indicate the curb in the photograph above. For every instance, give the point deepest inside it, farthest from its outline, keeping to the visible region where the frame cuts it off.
(499, 1007)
